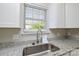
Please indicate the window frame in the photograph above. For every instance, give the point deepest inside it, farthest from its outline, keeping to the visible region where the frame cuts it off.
(45, 21)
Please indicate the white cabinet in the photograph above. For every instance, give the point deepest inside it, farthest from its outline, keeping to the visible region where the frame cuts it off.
(72, 15)
(56, 15)
(9, 15)
(63, 15)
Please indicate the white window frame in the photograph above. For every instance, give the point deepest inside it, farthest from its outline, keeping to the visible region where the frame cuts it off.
(34, 31)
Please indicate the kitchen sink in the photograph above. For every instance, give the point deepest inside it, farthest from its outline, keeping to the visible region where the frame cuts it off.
(39, 48)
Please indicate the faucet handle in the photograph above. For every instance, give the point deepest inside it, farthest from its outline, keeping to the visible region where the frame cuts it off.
(38, 41)
(33, 43)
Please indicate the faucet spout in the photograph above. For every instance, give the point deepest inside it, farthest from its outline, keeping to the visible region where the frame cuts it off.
(39, 36)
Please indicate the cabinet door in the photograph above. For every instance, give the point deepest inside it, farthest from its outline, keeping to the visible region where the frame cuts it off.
(72, 15)
(56, 15)
(9, 15)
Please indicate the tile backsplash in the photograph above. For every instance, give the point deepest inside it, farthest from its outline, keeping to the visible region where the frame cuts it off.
(10, 35)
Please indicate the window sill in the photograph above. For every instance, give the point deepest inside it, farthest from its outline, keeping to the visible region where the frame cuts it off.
(32, 32)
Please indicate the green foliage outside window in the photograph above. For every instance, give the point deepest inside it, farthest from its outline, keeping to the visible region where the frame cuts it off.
(38, 25)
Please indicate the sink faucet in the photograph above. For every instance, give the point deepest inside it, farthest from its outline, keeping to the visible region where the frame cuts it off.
(39, 36)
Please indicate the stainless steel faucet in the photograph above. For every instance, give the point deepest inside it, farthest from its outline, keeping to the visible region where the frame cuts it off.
(39, 36)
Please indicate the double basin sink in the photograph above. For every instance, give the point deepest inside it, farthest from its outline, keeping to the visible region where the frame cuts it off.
(39, 48)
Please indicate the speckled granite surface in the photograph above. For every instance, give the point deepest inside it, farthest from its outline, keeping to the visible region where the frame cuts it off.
(13, 48)
(16, 48)
(66, 45)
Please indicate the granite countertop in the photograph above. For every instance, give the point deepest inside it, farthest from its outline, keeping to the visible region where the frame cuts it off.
(16, 48)
(65, 45)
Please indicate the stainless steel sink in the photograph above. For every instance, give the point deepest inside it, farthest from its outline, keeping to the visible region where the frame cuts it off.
(39, 48)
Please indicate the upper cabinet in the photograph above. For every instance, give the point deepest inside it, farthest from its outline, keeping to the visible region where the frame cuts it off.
(72, 15)
(63, 15)
(10, 15)
(56, 15)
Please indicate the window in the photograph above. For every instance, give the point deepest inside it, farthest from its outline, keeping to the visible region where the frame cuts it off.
(34, 15)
